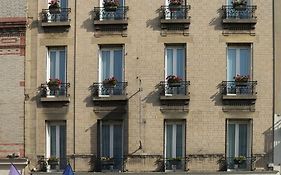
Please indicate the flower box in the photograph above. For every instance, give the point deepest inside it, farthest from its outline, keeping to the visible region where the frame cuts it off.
(109, 82)
(54, 7)
(110, 5)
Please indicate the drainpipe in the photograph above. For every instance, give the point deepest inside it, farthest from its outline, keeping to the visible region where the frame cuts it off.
(74, 81)
(273, 99)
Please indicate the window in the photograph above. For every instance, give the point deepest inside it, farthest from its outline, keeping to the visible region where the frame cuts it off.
(175, 66)
(238, 142)
(238, 63)
(111, 134)
(174, 145)
(56, 142)
(176, 12)
(111, 64)
(117, 13)
(56, 68)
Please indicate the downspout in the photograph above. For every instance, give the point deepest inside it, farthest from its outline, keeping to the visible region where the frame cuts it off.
(273, 99)
(74, 81)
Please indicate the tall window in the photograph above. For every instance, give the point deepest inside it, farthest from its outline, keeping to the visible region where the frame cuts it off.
(175, 66)
(111, 66)
(238, 142)
(56, 142)
(56, 67)
(174, 145)
(111, 134)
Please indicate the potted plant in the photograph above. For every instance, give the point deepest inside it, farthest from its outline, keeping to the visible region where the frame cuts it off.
(109, 82)
(53, 160)
(174, 4)
(110, 5)
(239, 4)
(173, 81)
(239, 161)
(241, 79)
(54, 7)
(54, 84)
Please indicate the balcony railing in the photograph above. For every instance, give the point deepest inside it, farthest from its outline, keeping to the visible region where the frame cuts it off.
(57, 164)
(247, 12)
(55, 15)
(244, 165)
(175, 164)
(169, 89)
(177, 12)
(111, 164)
(104, 90)
(103, 13)
(60, 91)
(247, 88)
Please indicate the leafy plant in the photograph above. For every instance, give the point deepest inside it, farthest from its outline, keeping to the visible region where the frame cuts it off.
(173, 79)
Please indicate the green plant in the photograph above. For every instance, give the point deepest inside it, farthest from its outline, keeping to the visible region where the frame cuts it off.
(109, 82)
(239, 160)
(175, 2)
(53, 84)
(236, 3)
(110, 3)
(54, 4)
(173, 79)
(241, 78)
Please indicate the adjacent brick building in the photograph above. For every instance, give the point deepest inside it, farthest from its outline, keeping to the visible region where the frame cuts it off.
(12, 59)
(150, 85)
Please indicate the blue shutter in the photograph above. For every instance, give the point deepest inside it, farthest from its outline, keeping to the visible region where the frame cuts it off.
(105, 63)
(169, 141)
(62, 68)
(169, 64)
(245, 63)
(118, 65)
(105, 141)
(53, 141)
(180, 63)
(52, 64)
(231, 140)
(243, 144)
(179, 140)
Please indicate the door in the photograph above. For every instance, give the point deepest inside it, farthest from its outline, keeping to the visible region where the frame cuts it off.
(174, 145)
(238, 63)
(56, 67)
(112, 144)
(56, 142)
(111, 65)
(238, 142)
(175, 66)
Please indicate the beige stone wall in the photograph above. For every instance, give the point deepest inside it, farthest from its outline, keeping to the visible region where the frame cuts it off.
(144, 69)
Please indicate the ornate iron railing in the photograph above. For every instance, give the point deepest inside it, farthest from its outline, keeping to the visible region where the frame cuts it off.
(61, 90)
(56, 15)
(106, 13)
(100, 89)
(175, 12)
(175, 163)
(239, 88)
(244, 164)
(180, 88)
(245, 12)
(112, 163)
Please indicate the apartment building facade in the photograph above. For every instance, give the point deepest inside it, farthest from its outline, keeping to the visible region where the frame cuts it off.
(12, 58)
(149, 85)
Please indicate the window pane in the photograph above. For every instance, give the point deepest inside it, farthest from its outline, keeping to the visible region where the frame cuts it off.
(243, 133)
(170, 62)
(118, 66)
(169, 141)
(105, 61)
(53, 141)
(231, 140)
(53, 64)
(105, 141)
(62, 66)
(245, 61)
(117, 139)
(231, 64)
(180, 63)
(179, 141)
(63, 160)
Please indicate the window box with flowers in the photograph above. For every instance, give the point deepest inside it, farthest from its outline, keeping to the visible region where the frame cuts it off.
(173, 81)
(239, 4)
(241, 79)
(110, 5)
(54, 84)
(109, 82)
(174, 4)
(54, 7)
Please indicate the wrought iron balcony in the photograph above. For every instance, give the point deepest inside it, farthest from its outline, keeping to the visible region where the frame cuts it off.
(239, 90)
(56, 17)
(175, 164)
(239, 17)
(243, 165)
(111, 164)
(106, 92)
(111, 19)
(56, 94)
(175, 17)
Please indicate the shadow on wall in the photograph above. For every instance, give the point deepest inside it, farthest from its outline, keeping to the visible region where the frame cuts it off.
(153, 97)
(216, 21)
(88, 24)
(154, 23)
(216, 97)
